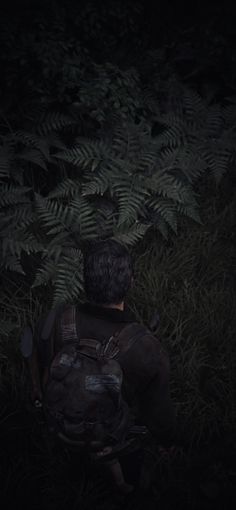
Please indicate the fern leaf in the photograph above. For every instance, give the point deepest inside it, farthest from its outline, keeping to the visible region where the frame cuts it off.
(130, 195)
(12, 263)
(33, 156)
(31, 139)
(129, 236)
(97, 184)
(66, 189)
(13, 195)
(190, 211)
(53, 214)
(84, 221)
(54, 121)
(87, 155)
(5, 162)
(166, 209)
(46, 273)
(16, 246)
(68, 284)
(168, 186)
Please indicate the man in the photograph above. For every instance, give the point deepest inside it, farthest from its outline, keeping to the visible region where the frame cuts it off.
(108, 275)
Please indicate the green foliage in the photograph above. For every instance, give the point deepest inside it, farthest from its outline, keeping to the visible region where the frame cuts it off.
(119, 183)
(94, 146)
(190, 281)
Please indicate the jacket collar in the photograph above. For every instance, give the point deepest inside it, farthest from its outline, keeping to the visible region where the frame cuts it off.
(109, 314)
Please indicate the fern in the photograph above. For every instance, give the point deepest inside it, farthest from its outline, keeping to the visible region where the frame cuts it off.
(130, 195)
(87, 155)
(34, 157)
(15, 246)
(53, 214)
(119, 182)
(68, 284)
(5, 162)
(13, 195)
(54, 122)
(46, 273)
(75, 218)
(66, 189)
(166, 209)
(129, 235)
(98, 185)
(12, 263)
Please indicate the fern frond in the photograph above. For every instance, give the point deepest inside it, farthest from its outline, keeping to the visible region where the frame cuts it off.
(68, 283)
(130, 195)
(168, 186)
(193, 105)
(13, 195)
(167, 158)
(46, 273)
(33, 156)
(5, 162)
(42, 144)
(146, 163)
(129, 236)
(12, 263)
(229, 115)
(88, 154)
(84, 220)
(191, 164)
(167, 209)
(160, 224)
(97, 184)
(54, 121)
(16, 246)
(126, 141)
(53, 214)
(66, 189)
(190, 211)
(173, 136)
(214, 121)
(218, 162)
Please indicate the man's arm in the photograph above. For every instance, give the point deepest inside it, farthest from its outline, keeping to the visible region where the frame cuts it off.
(156, 406)
(147, 370)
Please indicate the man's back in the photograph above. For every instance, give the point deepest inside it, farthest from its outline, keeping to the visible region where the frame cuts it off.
(145, 365)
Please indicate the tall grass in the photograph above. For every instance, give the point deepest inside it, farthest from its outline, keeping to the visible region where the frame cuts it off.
(190, 281)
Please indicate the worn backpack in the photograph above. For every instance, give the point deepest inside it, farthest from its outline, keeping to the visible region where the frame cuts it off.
(83, 398)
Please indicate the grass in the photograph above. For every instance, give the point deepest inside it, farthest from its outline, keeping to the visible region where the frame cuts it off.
(188, 283)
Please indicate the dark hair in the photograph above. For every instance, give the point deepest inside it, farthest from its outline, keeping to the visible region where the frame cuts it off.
(108, 271)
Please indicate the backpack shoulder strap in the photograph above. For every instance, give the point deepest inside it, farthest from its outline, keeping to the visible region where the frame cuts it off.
(124, 339)
(70, 333)
(68, 324)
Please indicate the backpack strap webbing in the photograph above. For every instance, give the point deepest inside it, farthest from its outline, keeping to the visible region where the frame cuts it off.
(68, 324)
(123, 339)
(120, 342)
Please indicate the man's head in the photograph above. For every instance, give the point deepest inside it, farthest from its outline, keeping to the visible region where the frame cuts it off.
(108, 272)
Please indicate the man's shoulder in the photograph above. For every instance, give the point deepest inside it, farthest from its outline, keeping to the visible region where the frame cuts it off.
(141, 342)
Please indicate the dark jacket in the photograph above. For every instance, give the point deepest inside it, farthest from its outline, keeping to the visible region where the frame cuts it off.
(145, 367)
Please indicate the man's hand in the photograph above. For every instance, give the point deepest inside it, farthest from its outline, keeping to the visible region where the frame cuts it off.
(36, 396)
(170, 453)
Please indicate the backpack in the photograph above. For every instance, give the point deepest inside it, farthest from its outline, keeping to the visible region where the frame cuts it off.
(83, 398)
